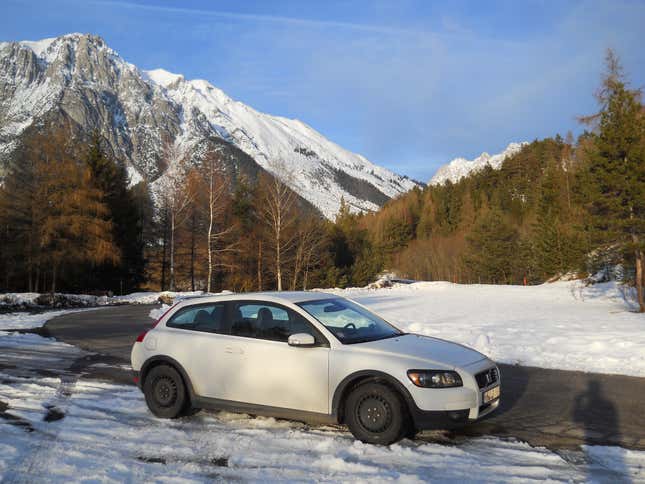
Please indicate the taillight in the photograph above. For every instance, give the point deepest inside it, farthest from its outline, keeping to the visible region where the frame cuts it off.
(141, 336)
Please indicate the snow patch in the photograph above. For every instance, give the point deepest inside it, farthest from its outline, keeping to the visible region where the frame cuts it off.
(562, 325)
(134, 177)
(163, 77)
(158, 312)
(461, 167)
(38, 46)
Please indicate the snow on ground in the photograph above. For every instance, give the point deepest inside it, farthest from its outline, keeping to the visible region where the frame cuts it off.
(23, 320)
(564, 325)
(56, 426)
(107, 435)
(153, 297)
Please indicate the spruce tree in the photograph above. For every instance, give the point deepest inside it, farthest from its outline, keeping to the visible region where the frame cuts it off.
(492, 254)
(615, 195)
(127, 213)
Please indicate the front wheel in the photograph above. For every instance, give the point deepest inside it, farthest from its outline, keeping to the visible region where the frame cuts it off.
(165, 392)
(376, 414)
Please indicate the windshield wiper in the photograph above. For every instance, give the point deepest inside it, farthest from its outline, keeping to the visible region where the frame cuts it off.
(368, 340)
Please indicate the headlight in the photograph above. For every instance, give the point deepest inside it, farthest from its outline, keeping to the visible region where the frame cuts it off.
(435, 378)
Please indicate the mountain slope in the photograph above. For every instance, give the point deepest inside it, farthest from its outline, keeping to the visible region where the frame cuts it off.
(461, 167)
(79, 77)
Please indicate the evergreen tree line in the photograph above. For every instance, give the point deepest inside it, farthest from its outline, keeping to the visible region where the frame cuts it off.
(68, 220)
(557, 206)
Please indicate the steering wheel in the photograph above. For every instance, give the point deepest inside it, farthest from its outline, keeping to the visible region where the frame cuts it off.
(349, 325)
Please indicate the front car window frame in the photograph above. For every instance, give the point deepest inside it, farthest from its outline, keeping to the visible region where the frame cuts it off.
(363, 312)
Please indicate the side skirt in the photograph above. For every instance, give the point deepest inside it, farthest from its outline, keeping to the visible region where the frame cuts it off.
(266, 411)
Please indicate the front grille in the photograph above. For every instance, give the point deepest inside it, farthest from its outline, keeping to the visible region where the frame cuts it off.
(487, 378)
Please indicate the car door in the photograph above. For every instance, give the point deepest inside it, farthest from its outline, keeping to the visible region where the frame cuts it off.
(268, 371)
(195, 340)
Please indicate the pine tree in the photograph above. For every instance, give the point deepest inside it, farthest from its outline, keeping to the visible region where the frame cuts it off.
(22, 213)
(551, 244)
(127, 213)
(615, 198)
(76, 228)
(493, 250)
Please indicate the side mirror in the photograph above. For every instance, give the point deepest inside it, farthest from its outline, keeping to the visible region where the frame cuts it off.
(301, 339)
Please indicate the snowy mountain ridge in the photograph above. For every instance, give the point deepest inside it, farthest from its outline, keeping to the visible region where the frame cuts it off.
(461, 167)
(79, 78)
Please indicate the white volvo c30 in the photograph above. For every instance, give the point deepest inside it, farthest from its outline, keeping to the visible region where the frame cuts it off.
(313, 357)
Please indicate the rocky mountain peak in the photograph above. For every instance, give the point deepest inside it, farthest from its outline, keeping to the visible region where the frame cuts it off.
(461, 167)
(80, 79)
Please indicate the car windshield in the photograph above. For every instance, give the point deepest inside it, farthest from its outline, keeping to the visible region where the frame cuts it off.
(349, 322)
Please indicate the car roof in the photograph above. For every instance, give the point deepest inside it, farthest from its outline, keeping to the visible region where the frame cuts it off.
(273, 296)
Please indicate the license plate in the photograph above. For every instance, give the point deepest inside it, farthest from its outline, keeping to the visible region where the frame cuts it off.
(492, 394)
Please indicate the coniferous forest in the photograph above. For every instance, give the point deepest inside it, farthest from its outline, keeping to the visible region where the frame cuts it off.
(70, 221)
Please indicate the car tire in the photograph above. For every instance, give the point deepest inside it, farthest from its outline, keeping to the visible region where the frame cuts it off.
(190, 411)
(165, 392)
(376, 414)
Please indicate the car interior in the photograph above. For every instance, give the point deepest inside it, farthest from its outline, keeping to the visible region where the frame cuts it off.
(248, 319)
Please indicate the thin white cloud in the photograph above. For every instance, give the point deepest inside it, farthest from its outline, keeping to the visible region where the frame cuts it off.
(380, 29)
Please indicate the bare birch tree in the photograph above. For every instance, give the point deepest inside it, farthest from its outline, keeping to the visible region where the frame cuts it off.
(276, 211)
(175, 198)
(307, 244)
(217, 190)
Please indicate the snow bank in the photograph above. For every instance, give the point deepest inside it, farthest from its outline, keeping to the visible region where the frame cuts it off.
(564, 325)
(21, 321)
(33, 300)
(28, 300)
(158, 312)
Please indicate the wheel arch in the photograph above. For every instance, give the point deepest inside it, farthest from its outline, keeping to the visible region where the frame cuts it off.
(357, 378)
(154, 361)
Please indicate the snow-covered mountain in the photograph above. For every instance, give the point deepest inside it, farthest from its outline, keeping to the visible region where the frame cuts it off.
(78, 78)
(461, 167)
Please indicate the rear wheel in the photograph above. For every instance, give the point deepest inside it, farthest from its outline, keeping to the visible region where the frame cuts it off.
(165, 392)
(376, 414)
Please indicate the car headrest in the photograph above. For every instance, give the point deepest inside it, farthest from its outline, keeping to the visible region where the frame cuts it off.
(265, 316)
(203, 317)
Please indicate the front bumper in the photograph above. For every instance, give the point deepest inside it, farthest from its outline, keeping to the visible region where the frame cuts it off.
(452, 408)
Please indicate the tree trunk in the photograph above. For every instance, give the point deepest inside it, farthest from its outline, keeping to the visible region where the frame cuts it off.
(36, 287)
(163, 256)
(54, 279)
(29, 272)
(210, 235)
(296, 268)
(639, 281)
(172, 251)
(192, 253)
(259, 265)
(278, 263)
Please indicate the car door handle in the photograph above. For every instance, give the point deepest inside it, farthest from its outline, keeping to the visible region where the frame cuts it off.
(234, 350)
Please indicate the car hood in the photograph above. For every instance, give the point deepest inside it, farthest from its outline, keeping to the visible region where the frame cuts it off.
(425, 348)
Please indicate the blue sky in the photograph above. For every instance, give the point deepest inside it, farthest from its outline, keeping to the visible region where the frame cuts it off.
(409, 84)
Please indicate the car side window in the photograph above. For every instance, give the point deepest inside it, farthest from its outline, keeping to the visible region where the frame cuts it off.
(268, 321)
(200, 317)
